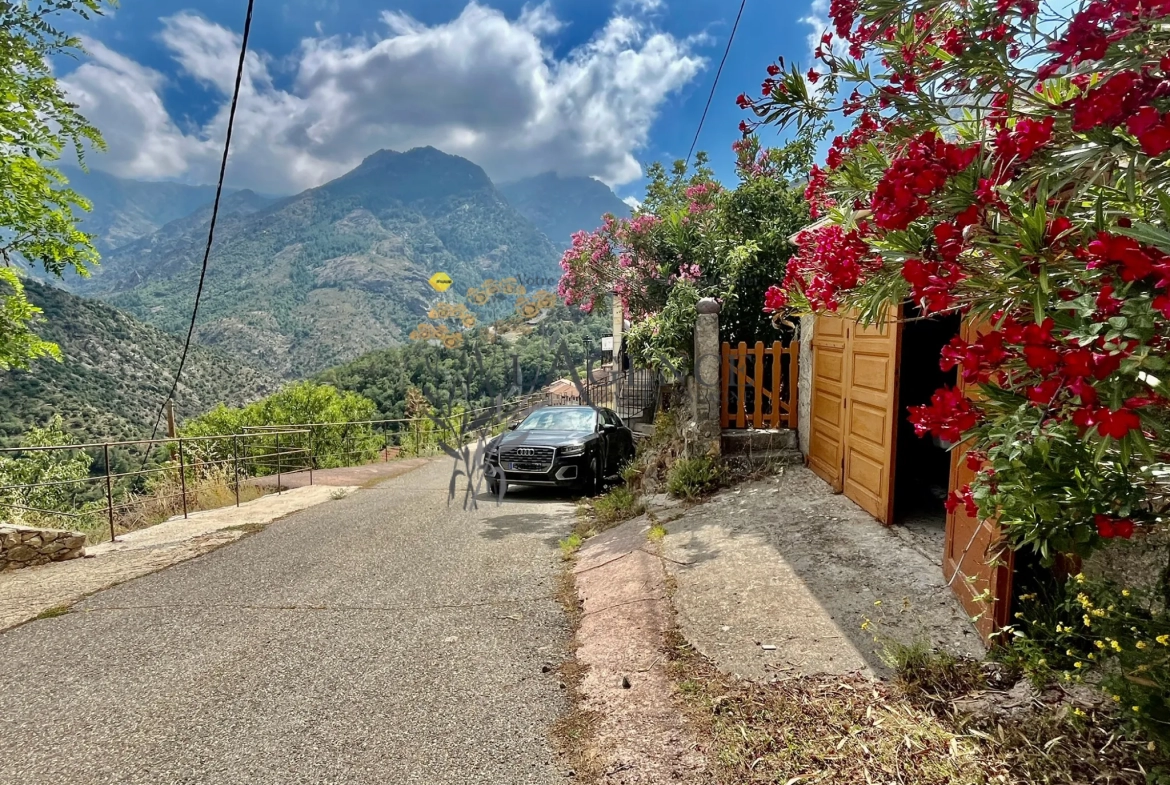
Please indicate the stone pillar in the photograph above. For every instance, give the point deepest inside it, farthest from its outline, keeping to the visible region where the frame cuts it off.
(708, 362)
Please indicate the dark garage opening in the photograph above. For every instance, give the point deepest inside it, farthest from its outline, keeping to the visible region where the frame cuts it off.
(923, 465)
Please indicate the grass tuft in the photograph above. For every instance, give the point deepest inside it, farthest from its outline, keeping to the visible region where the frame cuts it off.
(570, 545)
(693, 478)
(54, 612)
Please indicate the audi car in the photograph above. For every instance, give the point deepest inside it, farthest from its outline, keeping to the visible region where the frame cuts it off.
(560, 446)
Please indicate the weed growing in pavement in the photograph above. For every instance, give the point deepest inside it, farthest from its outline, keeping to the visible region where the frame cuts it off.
(54, 612)
(339, 494)
(657, 532)
(620, 504)
(693, 478)
(570, 545)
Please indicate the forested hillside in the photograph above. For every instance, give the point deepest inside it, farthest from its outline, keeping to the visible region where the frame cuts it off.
(560, 206)
(114, 374)
(323, 277)
(479, 370)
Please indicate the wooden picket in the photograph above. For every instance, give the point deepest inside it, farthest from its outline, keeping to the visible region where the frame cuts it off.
(758, 386)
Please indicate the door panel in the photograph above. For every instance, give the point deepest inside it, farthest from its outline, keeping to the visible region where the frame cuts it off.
(871, 401)
(826, 430)
(978, 568)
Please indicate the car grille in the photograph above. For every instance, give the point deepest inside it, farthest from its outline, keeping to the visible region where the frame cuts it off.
(528, 459)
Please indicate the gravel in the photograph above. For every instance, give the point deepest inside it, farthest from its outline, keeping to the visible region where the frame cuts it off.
(381, 638)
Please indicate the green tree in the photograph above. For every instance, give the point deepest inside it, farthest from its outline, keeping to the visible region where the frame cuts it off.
(38, 483)
(37, 124)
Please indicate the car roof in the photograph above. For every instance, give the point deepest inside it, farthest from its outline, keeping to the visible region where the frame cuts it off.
(565, 408)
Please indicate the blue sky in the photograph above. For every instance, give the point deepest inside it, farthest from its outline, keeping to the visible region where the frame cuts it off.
(579, 86)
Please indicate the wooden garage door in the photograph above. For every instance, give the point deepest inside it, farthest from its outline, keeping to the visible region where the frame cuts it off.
(826, 427)
(978, 568)
(855, 394)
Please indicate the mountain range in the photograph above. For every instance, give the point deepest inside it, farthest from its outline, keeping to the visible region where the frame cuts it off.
(299, 284)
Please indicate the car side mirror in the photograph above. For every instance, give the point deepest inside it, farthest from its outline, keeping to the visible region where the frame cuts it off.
(609, 427)
(513, 426)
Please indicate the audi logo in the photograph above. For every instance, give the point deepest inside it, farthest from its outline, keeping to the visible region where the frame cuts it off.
(526, 451)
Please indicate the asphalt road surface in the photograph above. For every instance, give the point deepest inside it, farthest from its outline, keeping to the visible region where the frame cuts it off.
(382, 638)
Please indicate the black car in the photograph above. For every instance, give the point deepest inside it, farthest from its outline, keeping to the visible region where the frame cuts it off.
(561, 446)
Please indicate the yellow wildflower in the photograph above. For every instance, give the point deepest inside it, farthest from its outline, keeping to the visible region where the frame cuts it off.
(1141, 644)
(1116, 646)
(1078, 664)
(1137, 709)
(1080, 578)
(1100, 644)
(1164, 640)
(1078, 712)
(1099, 613)
(1125, 592)
(1088, 621)
(1117, 699)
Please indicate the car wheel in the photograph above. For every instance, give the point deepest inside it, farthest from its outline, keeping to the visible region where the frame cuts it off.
(593, 479)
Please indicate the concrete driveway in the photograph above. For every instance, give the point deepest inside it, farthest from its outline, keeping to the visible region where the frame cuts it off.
(382, 638)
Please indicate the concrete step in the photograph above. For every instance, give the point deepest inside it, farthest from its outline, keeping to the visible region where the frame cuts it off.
(750, 442)
(742, 463)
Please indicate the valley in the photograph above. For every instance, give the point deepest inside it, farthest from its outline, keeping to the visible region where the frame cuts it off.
(325, 284)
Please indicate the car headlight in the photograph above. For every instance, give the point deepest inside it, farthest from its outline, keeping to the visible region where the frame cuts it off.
(571, 450)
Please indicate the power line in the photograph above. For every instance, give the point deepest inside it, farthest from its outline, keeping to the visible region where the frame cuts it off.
(214, 215)
(715, 84)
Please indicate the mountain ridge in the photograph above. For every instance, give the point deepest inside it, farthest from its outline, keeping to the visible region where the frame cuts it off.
(324, 276)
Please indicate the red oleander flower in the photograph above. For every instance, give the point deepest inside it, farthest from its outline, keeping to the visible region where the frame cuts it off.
(948, 416)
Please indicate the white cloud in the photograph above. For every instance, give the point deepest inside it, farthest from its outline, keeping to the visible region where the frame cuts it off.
(633, 201)
(482, 85)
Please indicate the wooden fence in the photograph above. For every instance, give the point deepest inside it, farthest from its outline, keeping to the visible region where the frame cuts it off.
(759, 385)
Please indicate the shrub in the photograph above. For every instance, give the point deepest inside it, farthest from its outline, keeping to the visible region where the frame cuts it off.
(693, 478)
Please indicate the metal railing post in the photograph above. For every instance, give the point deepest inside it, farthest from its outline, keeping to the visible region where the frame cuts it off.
(183, 479)
(312, 451)
(236, 463)
(109, 492)
(279, 463)
(385, 443)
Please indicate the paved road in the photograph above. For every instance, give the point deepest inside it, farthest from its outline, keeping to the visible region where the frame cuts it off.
(382, 638)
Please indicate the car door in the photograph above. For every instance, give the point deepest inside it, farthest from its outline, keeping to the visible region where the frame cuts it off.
(625, 442)
(616, 447)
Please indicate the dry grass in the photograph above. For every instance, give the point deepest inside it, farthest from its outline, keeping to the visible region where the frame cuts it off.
(575, 732)
(853, 730)
(164, 501)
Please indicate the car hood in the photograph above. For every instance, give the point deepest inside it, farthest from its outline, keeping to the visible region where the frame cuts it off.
(541, 438)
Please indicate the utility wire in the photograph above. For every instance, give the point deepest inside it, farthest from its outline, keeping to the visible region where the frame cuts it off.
(214, 215)
(715, 84)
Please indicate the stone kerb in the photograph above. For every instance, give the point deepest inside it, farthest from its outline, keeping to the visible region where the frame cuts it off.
(23, 546)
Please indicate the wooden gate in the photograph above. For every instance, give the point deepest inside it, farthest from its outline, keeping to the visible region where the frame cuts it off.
(759, 385)
(853, 425)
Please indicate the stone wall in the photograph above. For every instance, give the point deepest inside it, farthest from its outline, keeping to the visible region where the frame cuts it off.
(21, 546)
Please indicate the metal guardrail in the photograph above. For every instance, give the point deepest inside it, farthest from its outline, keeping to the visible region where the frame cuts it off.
(242, 455)
(258, 451)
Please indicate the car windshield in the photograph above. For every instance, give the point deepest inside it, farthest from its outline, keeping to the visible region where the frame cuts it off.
(579, 419)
